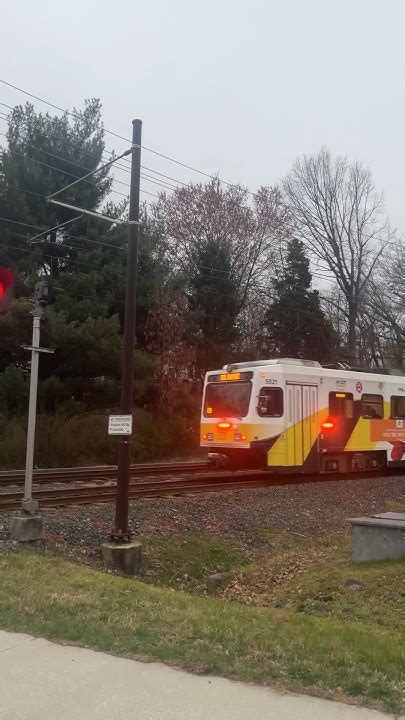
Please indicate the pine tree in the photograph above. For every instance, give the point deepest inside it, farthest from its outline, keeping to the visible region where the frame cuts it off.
(213, 307)
(86, 259)
(295, 324)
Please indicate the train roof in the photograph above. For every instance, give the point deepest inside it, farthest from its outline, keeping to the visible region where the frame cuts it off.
(313, 367)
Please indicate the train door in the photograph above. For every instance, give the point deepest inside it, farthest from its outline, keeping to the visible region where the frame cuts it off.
(302, 404)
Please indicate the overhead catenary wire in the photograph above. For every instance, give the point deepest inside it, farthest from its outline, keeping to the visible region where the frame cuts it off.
(55, 228)
(79, 165)
(120, 249)
(61, 257)
(148, 149)
(200, 266)
(114, 301)
(69, 235)
(65, 246)
(77, 116)
(41, 195)
(58, 170)
(60, 157)
(143, 176)
(265, 290)
(294, 310)
(90, 174)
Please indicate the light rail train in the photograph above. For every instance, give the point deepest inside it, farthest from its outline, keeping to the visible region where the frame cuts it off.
(299, 416)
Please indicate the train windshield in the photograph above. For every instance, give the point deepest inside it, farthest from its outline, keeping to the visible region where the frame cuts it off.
(230, 399)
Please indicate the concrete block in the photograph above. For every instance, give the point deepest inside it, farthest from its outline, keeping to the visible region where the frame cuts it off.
(27, 528)
(381, 537)
(125, 558)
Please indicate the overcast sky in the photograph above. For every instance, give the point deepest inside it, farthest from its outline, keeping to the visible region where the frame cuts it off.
(239, 88)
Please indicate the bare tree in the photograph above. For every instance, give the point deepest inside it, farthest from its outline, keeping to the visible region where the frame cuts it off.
(383, 313)
(338, 212)
(250, 232)
(166, 342)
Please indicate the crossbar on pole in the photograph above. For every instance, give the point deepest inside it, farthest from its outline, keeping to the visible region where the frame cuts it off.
(92, 172)
(113, 221)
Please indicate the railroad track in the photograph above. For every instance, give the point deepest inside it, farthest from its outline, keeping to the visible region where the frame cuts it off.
(86, 494)
(100, 472)
(220, 482)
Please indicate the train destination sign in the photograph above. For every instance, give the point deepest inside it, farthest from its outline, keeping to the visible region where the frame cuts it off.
(120, 424)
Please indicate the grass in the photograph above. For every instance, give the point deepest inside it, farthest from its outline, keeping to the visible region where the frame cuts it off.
(184, 562)
(395, 506)
(316, 576)
(327, 656)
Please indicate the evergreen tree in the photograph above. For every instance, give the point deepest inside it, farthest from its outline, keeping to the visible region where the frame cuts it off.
(44, 154)
(87, 261)
(214, 307)
(295, 324)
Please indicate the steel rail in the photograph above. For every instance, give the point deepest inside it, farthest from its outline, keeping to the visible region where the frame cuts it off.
(101, 472)
(220, 482)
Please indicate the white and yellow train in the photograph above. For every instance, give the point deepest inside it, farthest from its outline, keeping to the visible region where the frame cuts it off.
(296, 415)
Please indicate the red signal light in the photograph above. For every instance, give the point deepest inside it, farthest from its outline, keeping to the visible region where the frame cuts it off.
(328, 425)
(6, 287)
(224, 425)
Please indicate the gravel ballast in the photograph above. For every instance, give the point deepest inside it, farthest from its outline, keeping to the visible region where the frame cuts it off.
(240, 516)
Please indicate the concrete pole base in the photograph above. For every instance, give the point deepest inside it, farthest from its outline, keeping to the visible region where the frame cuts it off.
(125, 558)
(27, 528)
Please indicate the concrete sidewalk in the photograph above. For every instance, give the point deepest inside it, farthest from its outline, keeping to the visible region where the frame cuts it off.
(43, 681)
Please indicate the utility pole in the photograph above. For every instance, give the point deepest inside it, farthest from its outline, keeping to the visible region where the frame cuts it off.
(121, 530)
(28, 527)
(121, 553)
(29, 505)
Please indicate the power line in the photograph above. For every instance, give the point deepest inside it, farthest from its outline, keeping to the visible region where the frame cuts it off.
(75, 237)
(28, 192)
(57, 107)
(52, 167)
(60, 245)
(75, 163)
(64, 159)
(75, 295)
(121, 167)
(121, 137)
(168, 177)
(18, 222)
(150, 179)
(150, 193)
(61, 257)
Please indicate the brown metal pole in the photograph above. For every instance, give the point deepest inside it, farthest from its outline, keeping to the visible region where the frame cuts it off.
(121, 530)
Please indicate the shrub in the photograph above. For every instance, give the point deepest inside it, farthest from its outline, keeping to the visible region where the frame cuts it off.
(66, 440)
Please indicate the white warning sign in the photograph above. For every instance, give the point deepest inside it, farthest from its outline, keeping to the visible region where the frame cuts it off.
(120, 424)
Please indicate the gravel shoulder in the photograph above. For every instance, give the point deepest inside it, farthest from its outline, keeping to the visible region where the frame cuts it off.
(242, 517)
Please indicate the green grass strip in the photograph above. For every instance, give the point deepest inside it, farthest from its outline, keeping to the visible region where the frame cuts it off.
(60, 600)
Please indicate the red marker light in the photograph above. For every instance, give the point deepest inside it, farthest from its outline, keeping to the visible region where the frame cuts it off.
(224, 425)
(6, 287)
(328, 425)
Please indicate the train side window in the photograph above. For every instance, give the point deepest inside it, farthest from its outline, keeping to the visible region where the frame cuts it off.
(398, 407)
(372, 406)
(341, 404)
(270, 402)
